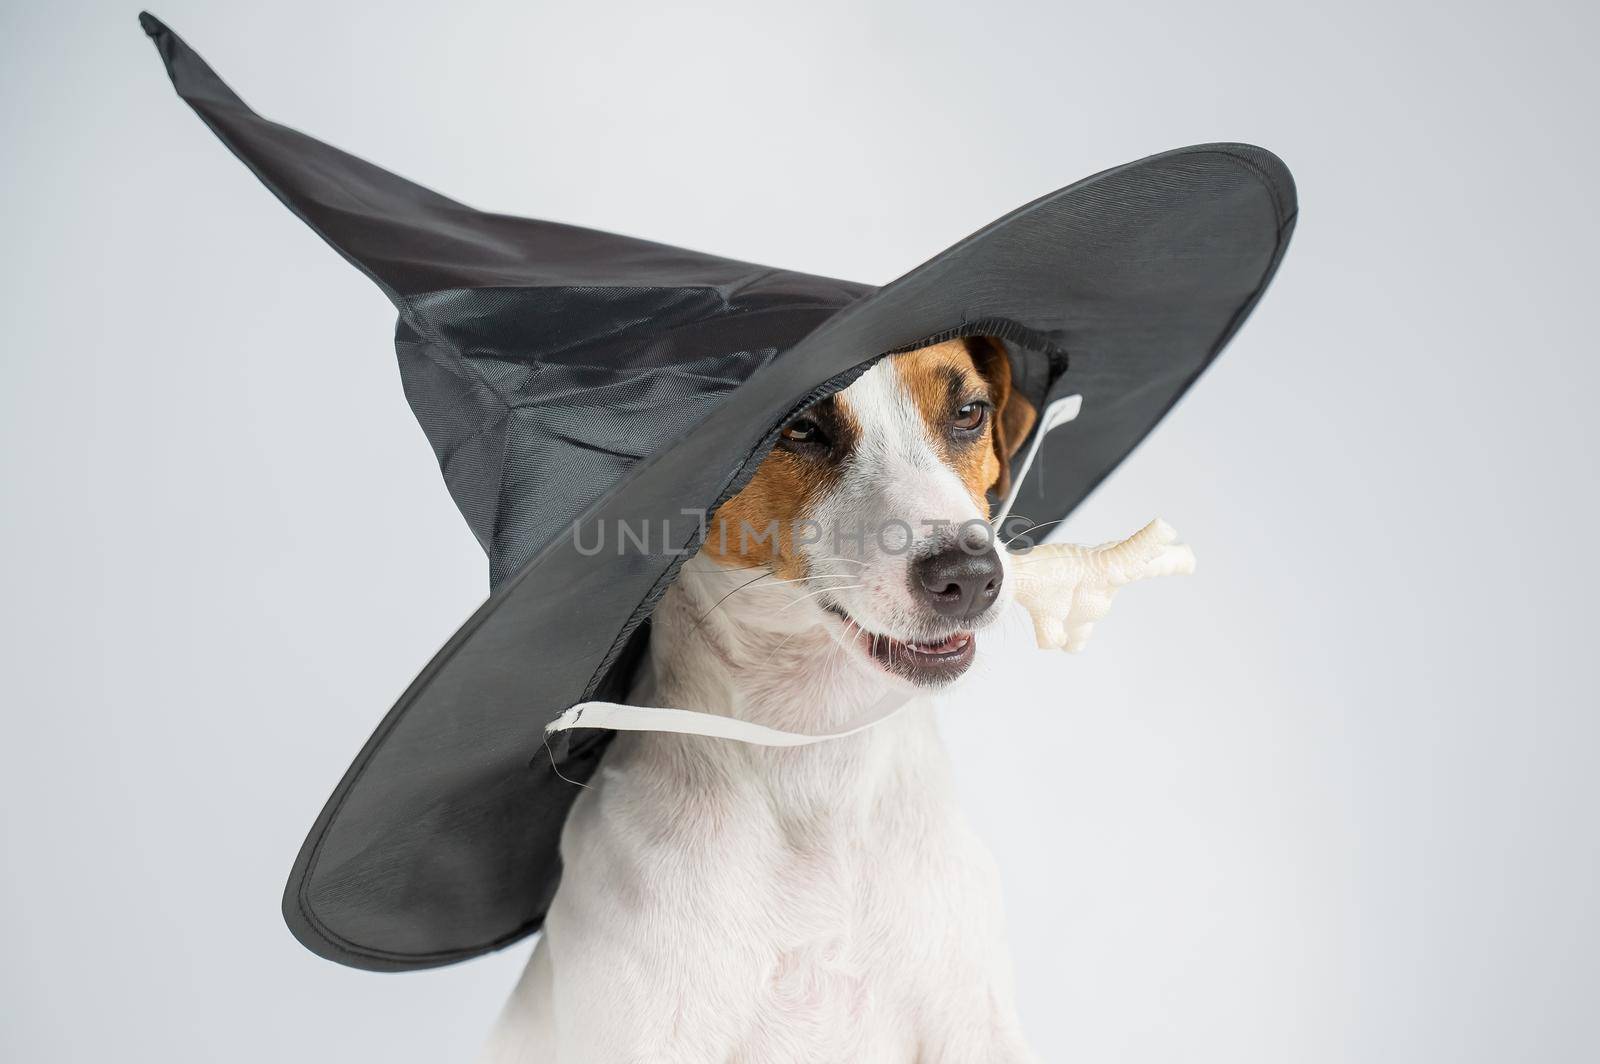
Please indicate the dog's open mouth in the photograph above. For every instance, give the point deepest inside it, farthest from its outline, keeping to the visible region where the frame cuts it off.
(926, 662)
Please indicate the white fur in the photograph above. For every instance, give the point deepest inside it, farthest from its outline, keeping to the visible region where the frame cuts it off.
(730, 904)
(895, 481)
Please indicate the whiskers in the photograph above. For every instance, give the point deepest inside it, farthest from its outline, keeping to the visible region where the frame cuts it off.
(1029, 530)
(822, 591)
(769, 579)
(742, 587)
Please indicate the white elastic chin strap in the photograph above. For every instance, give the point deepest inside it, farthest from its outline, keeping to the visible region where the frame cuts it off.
(618, 717)
(615, 716)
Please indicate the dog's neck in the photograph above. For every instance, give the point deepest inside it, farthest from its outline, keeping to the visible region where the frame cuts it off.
(740, 644)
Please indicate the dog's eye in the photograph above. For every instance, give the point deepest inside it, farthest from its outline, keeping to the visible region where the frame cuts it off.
(803, 432)
(970, 417)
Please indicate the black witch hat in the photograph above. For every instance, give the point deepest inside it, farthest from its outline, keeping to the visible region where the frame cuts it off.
(569, 378)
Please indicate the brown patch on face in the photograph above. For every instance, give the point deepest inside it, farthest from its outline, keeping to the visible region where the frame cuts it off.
(943, 378)
(757, 526)
(1013, 414)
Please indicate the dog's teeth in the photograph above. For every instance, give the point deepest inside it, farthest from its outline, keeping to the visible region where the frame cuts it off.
(944, 646)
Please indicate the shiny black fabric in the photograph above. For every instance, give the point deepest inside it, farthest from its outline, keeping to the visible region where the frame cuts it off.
(570, 380)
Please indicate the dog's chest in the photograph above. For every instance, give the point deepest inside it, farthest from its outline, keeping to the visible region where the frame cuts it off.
(792, 909)
(881, 936)
(831, 954)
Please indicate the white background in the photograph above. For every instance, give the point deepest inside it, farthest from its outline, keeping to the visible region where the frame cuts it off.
(1332, 799)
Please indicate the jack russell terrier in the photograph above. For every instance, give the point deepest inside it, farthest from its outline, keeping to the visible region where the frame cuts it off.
(724, 902)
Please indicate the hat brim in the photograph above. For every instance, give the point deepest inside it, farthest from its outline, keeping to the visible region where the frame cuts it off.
(441, 842)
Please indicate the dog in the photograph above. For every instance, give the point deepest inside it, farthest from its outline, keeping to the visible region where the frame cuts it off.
(722, 902)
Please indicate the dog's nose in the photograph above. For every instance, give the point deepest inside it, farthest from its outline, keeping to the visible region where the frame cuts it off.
(957, 584)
